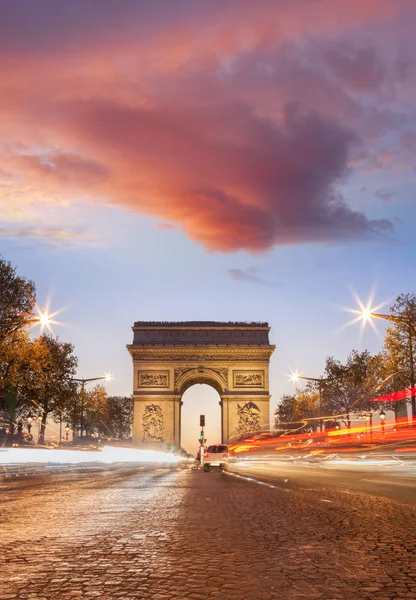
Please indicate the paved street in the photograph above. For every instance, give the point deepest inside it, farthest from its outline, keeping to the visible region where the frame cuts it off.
(171, 535)
(395, 480)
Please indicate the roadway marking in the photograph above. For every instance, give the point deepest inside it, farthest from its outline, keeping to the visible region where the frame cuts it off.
(252, 479)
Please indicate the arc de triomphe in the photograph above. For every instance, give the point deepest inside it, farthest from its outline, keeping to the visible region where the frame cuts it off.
(168, 358)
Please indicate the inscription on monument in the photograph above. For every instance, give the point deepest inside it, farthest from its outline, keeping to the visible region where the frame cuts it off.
(153, 378)
(248, 378)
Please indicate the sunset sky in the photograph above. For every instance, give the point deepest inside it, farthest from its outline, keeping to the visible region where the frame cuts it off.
(221, 160)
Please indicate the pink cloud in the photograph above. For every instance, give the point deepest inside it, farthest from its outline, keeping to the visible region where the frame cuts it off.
(239, 130)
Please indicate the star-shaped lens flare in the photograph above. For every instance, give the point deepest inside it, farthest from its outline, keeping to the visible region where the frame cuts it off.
(44, 319)
(364, 312)
(294, 376)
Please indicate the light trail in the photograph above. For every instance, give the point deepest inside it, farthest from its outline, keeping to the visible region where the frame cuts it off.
(108, 455)
(396, 396)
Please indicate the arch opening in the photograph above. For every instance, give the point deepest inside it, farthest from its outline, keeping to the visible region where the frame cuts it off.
(200, 398)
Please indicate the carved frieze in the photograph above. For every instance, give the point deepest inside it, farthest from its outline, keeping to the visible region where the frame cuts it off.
(248, 418)
(153, 379)
(181, 371)
(222, 372)
(248, 378)
(152, 423)
(200, 356)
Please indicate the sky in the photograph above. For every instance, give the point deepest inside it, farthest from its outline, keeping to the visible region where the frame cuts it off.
(192, 160)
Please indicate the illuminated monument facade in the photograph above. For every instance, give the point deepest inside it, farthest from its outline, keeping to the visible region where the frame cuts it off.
(168, 358)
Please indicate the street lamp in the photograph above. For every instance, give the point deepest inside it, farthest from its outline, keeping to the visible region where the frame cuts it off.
(295, 378)
(107, 377)
(367, 315)
(67, 430)
(367, 417)
(43, 318)
(382, 419)
(29, 423)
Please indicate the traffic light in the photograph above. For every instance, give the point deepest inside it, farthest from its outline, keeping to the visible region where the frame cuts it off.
(202, 420)
(201, 435)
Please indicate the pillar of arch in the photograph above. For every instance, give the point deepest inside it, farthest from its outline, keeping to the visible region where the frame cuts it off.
(168, 358)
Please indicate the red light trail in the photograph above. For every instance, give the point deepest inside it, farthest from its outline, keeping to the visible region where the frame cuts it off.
(396, 396)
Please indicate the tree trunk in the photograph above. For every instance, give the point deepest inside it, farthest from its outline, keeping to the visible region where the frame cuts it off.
(412, 373)
(42, 428)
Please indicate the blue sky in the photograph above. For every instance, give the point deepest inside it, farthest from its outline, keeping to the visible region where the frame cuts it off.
(143, 273)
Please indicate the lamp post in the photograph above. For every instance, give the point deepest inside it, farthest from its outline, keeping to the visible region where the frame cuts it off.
(67, 430)
(382, 419)
(29, 423)
(319, 381)
(107, 377)
(367, 314)
(39, 423)
(368, 420)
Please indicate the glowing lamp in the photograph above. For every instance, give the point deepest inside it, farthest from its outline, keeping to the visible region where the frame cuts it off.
(44, 319)
(366, 314)
(295, 376)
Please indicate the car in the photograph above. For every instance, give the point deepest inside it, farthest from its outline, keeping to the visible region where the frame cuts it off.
(215, 457)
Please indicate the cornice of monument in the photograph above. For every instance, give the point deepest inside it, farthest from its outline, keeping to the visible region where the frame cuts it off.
(192, 333)
(200, 352)
(200, 324)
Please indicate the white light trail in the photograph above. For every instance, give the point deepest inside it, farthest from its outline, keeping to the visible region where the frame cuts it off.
(108, 455)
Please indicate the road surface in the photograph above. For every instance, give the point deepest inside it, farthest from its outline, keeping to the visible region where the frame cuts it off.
(186, 534)
(389, 478)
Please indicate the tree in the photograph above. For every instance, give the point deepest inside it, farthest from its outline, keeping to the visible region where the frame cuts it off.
(308, 403)
(94, 403)
(294, 408)
(345, 388)
(17, 300)
(400, 343)
(20, 364)
(285, 410)
(382, 380)
(117, 417)
(49, 388)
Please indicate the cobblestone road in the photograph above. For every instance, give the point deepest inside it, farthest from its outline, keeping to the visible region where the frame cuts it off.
(188, 534)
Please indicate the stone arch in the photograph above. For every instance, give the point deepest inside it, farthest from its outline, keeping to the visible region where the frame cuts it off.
(200, 375)
(168, 358)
